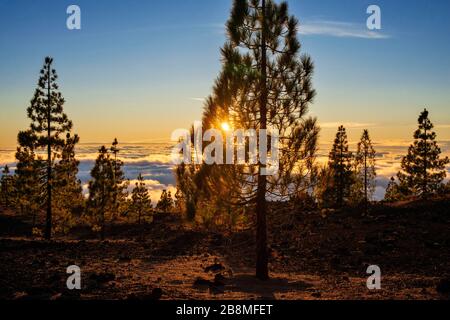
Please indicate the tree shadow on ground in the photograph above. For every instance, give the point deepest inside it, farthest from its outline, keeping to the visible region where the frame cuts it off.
(249, 284)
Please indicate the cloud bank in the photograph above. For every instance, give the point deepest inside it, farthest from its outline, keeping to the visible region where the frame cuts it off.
(152, 160)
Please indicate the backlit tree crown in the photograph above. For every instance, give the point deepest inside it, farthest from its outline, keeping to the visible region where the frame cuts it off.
(40, 113)
(422, 168)
(340, 164)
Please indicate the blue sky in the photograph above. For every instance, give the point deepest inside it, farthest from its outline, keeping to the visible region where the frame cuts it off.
(139, 69)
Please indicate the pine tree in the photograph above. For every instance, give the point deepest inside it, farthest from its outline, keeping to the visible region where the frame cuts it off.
(100, 191)
(48, 123)
(340, 163)
(423, 170)
(120, 184)
(180, 201)
(7, 187)
(365, 166)
(264, 84)
(186, 175)
(141, 205)
(69, 200)
(106, 191)
(324, 188)
(392, 191)
(165, 203)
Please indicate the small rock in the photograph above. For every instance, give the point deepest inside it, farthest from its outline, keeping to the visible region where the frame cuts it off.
(216, 267)
(102, 277)
(202, 282)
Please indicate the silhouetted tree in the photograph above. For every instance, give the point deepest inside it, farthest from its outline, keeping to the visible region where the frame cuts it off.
(185, 175)
(324, 188)
(365, 167)
(106, 191)
(119, 181)
(340, 164)
(393, 192)
(165, 203)
(68, 201)
(7, 187)
(48, 123)
(179, 201)
(141, 204)
(100, 191)
(115, 151)
(423, 170)
(264, 84)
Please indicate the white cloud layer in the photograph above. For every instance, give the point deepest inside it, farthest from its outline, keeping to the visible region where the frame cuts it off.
(152, 160)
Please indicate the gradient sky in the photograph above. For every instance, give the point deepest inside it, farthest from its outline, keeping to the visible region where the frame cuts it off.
(139, 69)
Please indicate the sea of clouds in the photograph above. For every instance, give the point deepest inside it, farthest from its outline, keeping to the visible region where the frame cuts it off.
(153, 161)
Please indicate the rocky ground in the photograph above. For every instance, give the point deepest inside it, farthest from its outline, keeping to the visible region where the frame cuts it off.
(314, 255)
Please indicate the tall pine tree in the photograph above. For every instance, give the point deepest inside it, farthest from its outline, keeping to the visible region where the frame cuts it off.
(340, 163)
(423, 170)
(107, 190)
(100, 191)
(69, 200)
(265, 83)
(120, 184)
(48, 124)
(365, 167)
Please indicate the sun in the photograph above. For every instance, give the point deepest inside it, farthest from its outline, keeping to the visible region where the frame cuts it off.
(225, 126)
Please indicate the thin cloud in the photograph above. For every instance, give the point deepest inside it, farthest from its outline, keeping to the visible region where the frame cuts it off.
(339, 29)
(197, 99)
(335, 125)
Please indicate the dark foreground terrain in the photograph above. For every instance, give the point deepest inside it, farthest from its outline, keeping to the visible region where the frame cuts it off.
(314, 255)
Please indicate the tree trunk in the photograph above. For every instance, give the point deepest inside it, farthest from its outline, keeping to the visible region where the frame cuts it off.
(48, 225)
(102, 230)
(340, 189)
(366, 200)
(425, 178)
(262, 271)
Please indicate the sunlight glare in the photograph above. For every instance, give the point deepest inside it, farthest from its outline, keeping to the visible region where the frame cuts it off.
(225, 127)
